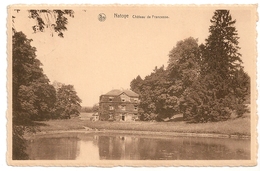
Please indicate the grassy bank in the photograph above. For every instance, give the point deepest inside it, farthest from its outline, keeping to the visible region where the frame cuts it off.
(238, 126)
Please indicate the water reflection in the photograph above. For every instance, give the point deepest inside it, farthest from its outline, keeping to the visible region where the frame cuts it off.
(53, 148)
(88, 151)
(82, 146)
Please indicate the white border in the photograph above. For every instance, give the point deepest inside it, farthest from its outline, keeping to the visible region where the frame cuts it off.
(3, 67)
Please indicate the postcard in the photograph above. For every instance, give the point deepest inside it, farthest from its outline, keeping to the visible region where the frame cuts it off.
(132, 85)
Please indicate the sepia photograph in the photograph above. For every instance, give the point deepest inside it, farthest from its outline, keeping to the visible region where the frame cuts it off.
(132, 85)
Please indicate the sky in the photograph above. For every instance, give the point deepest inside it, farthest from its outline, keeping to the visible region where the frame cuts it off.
(97, 57)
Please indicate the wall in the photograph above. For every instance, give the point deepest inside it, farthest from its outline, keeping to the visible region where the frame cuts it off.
(131, 107)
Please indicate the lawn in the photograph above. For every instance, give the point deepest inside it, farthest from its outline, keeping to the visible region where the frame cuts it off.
(237, 126)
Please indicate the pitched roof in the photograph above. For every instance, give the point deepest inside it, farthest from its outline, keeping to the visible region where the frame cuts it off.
(114, 92)
(117, 92)
(130, 93)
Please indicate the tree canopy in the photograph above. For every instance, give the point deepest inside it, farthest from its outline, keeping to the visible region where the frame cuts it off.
(204, 83)
(52, 20)
(27, 75)
(55, 20)
(218, 92)
(31, 92)
(68, 102)
(161, 92)
(33, 98)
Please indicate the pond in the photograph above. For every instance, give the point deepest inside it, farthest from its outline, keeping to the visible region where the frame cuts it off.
(101, 146)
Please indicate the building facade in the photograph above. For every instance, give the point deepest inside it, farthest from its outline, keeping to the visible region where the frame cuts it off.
(119, 105)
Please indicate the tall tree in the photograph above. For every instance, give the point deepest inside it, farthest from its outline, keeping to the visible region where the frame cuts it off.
(183, 69)
(215, 96)
(149, 90)
(220, 54)
(31, 93)
(26, 71)
(161, 92)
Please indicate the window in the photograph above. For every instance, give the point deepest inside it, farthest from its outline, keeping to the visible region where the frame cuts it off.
(123, 99)
(110, 99)
(135, 108)
(123, 117)
(111, 107)
(123, 108)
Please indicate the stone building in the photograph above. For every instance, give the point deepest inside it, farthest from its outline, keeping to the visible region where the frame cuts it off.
(119, 105)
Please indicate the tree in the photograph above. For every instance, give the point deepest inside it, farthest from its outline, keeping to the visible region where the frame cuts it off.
(53, 20)
(26, 68)
(31, 93)
(152, 92)
(86, 109)
(241, 92)
(136, 84)
(68, 102)
(220, 54)
(19, 143)
(161, 92)
(154, 100)
(215, 95)
(32, 96)
(183, 70)
(40, 97)
(95, 108)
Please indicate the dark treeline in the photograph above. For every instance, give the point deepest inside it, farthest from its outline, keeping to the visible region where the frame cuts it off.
(86, 109)
(33, 97)
(203, 82)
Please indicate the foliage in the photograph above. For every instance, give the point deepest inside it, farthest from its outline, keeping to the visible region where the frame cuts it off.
(19, 144)
(150, 91)
(52, 20)
(183, 69)
(55, 20)
(29, 99)
(95, 108)
(136, 83)
(33, 98)
(205, 83)
(38, 100)
(68, 103)
(161, 91)
(220, 53)
(86, 109)
(222, 85)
